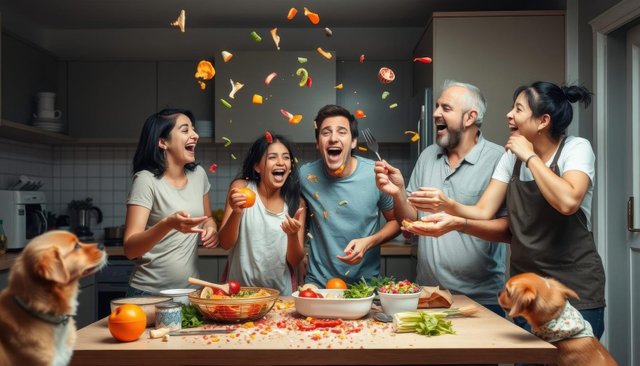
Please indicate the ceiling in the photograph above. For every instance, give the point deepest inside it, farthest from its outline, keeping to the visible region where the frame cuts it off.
(115, 14)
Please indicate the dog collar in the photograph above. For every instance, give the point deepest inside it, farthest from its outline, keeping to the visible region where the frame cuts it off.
(51, 319)
(569, 324)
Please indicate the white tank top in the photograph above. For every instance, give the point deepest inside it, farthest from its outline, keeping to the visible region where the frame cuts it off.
(259, 257)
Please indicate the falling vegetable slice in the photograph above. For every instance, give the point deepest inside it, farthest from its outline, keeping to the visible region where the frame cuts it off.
(309, 81)
(255, 36)
(386, 75)
(286, 114)
(235, 87)
(226, 56)
(213, 167)
(362, 148)
(362, 58)
(304, 74)
(276, 37)
(205, 70)
(415, 137)
(328, 32)
(256, 99)
(269, 78)
(385, 94)
(342, 203)
(360, 113)
(295, 119)
(312, 178)
(339, 86)
(313, 17)
(292, 13)
(268, 136)
(324, 53)
(424, 60)
(180, 22)
(302, 60)
(225, 103)
(394, 105)
(226, 140)
(233, 156)
(340, 169)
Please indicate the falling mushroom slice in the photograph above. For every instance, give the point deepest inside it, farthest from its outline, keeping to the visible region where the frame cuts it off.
(235, 87)
(180, 22)
(276, 37)
(328, 32)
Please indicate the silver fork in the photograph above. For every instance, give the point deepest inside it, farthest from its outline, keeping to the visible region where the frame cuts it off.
(371, 141)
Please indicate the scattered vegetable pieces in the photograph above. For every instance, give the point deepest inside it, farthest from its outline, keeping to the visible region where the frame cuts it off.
(393, 105)
(233, 156)
(268, 136)
(313, 17)
(362, 58)
(415, 136)
(269, 78)
(226, 140)
(276, 37)
(360, 113)
(158, 333)
(328, 32)
(180, 21)
(295, 119)
(226, 56)
(324, 53)
(213, 167)
(191, 316)
(292, 13)
(342, 203)
(386, 75)
(358, 290)
(255, 36)
(256, 99)
(309, 81)
(225, 103)
(385, 94)
(304, 74)
(424, 60)
(312, 178)
(362, 148)
(235, 87)
(302, 60)
(339, 86)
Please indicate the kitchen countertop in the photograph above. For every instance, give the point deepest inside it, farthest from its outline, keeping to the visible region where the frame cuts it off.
(484, 338)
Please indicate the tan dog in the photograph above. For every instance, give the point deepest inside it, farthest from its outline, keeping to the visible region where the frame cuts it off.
(36, 308)
(543, 303)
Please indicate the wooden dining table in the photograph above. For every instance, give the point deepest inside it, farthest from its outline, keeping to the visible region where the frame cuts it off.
(484, 338)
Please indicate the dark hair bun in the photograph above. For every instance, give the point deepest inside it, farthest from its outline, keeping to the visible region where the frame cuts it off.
(576, 93)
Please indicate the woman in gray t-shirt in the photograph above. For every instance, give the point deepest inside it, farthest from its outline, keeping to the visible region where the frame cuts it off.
(168, 208)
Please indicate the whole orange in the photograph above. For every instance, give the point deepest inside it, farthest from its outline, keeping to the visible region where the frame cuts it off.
(127, 322)
(336, 283)
(249, 195)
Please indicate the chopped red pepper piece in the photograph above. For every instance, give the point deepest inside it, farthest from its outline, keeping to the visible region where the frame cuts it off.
(268, 136)
(309, 81)
(360, 113)
(424, 60)
(213, 167)
(362, 58)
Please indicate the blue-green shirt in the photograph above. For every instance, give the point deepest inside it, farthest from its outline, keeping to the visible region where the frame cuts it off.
(342, 209)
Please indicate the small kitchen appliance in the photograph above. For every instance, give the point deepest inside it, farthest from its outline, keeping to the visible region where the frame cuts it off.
(23, 215)
(81, 212)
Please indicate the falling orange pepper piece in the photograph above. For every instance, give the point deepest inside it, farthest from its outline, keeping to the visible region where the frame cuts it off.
(313, 17)
(360, 113)
(292, 13)
(324, 53)
(362, 148)
(257, 99)
(415, 136)
(339, 86)
(295, 119)
(205, 70)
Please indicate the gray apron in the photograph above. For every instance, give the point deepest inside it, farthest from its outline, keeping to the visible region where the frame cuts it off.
(552, 244)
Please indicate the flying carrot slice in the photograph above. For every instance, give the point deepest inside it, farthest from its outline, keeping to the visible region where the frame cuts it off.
(328, 32)
(362, 148)
(226, 140)
(226, 56)
(256, 99)
(415, 137)
(295, 119)
(292, 13)
(339, 86)
(313, 17)
(424, 60)
(180, 22)
(269, 78)
(324, 53)
(276, 37)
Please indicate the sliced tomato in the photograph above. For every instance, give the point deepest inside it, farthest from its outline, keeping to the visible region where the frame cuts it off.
(326, 323)
(305, 326)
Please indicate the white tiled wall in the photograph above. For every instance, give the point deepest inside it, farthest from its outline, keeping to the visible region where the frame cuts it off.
(104, 172)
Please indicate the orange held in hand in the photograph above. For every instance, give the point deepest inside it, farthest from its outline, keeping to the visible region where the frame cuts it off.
(127, 322)
(250, 196)
(336, 283)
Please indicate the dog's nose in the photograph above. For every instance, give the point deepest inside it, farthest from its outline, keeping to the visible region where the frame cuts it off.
(101, 246)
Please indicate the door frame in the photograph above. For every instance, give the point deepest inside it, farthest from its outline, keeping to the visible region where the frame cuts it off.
(611, 20)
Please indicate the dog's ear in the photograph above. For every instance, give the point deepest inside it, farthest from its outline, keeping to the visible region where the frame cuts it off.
(52, 267)
(522, 297)
(564, 290)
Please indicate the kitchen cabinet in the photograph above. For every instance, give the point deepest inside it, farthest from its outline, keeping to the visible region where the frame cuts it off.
(177, 88)
(363, 90)
(86, 311)
(524, 47)
(110, 100)
(245, 121)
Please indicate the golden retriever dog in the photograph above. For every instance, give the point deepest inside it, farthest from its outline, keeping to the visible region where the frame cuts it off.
(543, 303)
(37, 308)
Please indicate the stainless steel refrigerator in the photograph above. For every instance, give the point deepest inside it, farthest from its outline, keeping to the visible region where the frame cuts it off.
(421, 112)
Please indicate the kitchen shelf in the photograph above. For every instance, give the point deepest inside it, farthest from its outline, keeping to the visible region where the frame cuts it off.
(25, 133)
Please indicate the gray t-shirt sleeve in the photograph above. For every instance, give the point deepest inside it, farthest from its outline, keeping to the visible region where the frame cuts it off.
(141, 193)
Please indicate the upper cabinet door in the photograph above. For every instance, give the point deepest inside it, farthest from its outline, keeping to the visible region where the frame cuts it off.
(178, 88)
(245, 121)
(362, 90)
(110, 100)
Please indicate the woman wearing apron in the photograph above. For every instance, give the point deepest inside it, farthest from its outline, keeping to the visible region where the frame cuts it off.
(547, 179)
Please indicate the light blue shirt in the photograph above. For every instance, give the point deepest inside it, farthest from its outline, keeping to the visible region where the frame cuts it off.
(459, 262)
(342, 209)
